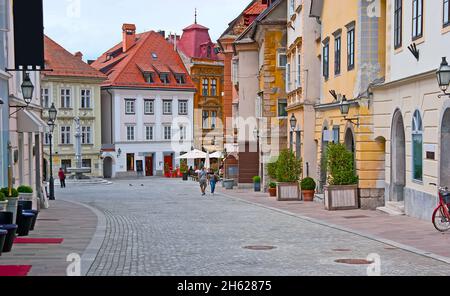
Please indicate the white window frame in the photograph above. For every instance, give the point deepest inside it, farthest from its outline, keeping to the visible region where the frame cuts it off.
(149, 132)
(149, 107)
(86, 135)
(166, 136)
(130, 106)
(46, 99)
(66, 135)
(167, 107)
(131, 133)
(183, 107)
(66, 98)
(86, 98)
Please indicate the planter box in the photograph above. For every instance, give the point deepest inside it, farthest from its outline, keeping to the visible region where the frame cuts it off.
(26, 196)
(228, 184)
(288, 191)
(3, 206)
(341, 197)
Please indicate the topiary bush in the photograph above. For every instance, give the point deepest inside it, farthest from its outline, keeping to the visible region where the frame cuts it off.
(289, 168)
(257, 179)
(14, 192)
(341, 165)
(25, 189)
(308, 184)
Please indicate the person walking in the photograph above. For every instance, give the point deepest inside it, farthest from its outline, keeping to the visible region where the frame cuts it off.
(203, 180)
(62, 178)
(213, 179)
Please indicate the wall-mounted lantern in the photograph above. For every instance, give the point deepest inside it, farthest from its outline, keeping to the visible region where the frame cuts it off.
(345, 110)
(443, 77)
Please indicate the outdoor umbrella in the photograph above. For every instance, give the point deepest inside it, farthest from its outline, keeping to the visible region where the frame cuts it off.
(216, 155)
(208, 161)
(194, 154)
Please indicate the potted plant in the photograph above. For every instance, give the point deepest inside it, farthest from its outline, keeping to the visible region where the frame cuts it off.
(257, 183)
(25, 192)
(166, 170)
(184, 170)
(288, 172)
(13, 200)
(3, 202)
(273, 189)
(341, 193)
(308, 186)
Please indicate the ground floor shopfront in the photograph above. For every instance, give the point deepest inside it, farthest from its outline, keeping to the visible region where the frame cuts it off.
(415, 124)
(130, 160)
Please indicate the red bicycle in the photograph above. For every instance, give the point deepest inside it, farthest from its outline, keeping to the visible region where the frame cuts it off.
(441, 215)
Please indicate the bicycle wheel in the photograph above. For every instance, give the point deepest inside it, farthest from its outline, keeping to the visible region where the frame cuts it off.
(440, 221)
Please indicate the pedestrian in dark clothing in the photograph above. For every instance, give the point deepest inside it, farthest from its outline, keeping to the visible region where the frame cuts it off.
(213, 179)
(62, 178)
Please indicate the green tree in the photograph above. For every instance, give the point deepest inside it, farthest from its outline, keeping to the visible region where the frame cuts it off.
(288, 168)
(341, 165)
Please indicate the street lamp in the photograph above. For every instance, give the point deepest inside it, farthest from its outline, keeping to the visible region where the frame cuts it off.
(345, 110)
(52, 113)
(443, 77)
(27, 89)
(293, 122)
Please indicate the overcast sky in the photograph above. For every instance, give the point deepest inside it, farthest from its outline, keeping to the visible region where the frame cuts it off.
(94, 26)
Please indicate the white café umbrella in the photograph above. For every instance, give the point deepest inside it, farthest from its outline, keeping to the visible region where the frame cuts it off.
(207, 161)
(216, 155)
(194, 154)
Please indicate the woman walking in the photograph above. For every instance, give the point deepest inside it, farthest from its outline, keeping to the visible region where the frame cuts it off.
(62, 178)
(213, 179)
(203, 180)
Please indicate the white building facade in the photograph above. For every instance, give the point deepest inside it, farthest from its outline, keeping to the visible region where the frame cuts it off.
(409, 116)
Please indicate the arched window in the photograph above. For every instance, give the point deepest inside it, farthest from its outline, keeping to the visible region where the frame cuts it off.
(417, 145)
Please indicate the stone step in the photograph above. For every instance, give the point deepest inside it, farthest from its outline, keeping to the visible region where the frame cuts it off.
(393, 208)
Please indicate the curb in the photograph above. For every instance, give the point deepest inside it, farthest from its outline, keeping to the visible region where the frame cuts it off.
(92, 250)
(348, 230)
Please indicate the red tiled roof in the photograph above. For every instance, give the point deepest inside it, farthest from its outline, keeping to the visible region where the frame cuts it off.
(63, 63)
(195, 41)
(256, 8)
(125, 69)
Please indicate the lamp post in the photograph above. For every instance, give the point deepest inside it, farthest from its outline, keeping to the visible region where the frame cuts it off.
(345, 110)
(52, 113)
(443, 77)
(27, 88)
(293, 123)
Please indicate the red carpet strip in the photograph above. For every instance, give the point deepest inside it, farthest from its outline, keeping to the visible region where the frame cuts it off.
(44, 241)
(14, 270)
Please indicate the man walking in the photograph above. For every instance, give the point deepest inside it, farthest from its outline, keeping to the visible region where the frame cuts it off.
(62, 178)
(203, 180)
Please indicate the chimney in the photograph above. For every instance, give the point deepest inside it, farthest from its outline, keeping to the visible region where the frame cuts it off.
(79, 55)
(129, 36)
(162, 33)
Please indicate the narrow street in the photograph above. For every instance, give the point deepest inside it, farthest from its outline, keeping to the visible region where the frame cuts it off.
(164, 227)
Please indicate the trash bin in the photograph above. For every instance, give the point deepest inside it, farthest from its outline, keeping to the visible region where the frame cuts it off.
(3, 234)
(24, 223)
(10, 237)
(6, 218)
(36, 213)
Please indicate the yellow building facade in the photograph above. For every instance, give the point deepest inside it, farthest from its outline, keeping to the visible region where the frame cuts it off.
(352, 51)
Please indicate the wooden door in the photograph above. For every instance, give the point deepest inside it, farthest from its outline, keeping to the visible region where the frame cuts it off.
(149, 166)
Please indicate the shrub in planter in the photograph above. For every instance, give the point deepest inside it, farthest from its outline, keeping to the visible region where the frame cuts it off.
(3, 202)
(288, 171)
(308, 186)
(257, 183)
(272, 169)
(5, 191)
(273, 189)
(184, 170)
(25, 192)
(342, 181)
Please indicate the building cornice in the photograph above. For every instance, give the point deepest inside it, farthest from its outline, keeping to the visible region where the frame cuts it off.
(425, 75)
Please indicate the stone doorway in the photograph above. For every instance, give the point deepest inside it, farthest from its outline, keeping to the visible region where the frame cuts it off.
(107, 168)
(444, 147)
(398, 159)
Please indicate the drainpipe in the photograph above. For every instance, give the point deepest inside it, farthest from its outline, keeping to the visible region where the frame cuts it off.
(112, 126)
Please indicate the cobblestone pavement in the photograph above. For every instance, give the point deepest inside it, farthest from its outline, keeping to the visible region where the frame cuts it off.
(164, 227)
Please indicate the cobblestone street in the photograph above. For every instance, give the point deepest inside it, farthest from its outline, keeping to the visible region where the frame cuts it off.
(164, 227)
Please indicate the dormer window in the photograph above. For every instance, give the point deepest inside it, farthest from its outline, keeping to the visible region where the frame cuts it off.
(148, 78)
(180, 78)
(164, 77)
(154, 56)
(208, 51)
